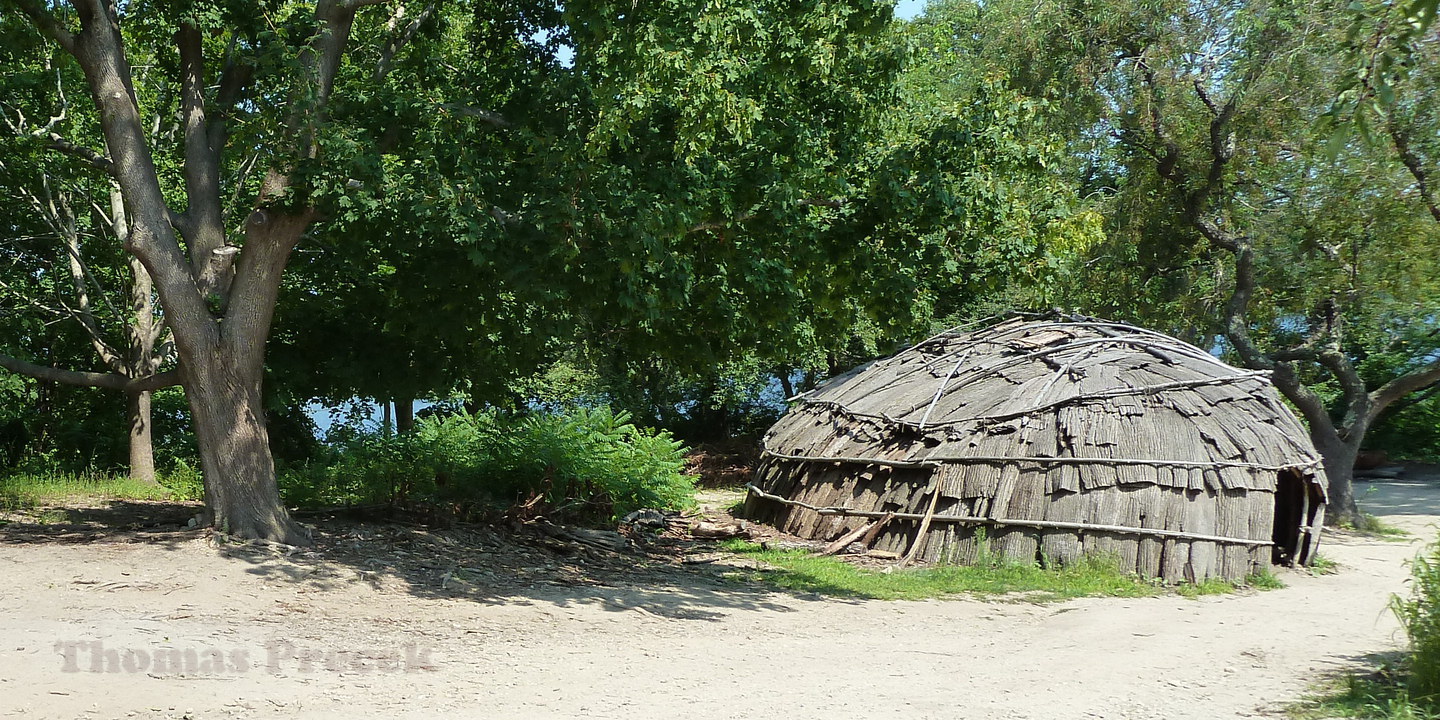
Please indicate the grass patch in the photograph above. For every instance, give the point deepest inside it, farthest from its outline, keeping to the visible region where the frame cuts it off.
(26, 491)
(1380, 696)
(1091, 576)
(1372, 525)
(800, 571)
(1321, 565)
(1208, 586)
(1264, 580)
(1407, 689)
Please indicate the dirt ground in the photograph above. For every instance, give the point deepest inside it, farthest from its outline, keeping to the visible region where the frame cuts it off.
(101, 626)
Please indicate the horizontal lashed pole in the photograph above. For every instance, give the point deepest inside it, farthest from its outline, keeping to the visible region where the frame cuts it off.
(937, 461)
(1041, 524)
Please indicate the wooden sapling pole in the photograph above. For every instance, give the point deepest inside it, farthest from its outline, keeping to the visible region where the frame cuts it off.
(924, 524)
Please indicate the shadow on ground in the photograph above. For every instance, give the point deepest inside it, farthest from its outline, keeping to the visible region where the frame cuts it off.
(155, 522)
(477, 563)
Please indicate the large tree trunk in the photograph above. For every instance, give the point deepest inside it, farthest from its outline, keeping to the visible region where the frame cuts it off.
(1338, 456)
(241, 494)
(142, 449)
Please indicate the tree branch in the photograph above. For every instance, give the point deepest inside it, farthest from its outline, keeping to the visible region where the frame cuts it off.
(78, 276)
(493, 118)
(235, 77)
(94, 159)
(203, 224)
(80, 378)
(1388, 393)
(1413, 164)
(60, 218)
(334, 18)
(398, 40)
(1414, 398)
(152, 238)
(270, 237)
(47, 24)
(1310, 404)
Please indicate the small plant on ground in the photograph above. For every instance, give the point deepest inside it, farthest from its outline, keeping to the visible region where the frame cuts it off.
(184, 482)
(1264, 580)
(1372, 525)
(1208, 586)
(1379, 696)
(1322, 565)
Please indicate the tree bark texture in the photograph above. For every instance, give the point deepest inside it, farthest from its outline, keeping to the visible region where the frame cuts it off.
(1339, 459)
(142, 447)
(241, 493)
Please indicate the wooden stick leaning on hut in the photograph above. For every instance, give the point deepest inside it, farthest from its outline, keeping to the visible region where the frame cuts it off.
(875, 529)
(935, 487)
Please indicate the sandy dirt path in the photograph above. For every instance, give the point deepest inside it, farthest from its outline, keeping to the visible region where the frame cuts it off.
(698, 650)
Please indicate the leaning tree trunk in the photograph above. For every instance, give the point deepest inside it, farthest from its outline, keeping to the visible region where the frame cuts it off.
(240, 488)
(142, 448)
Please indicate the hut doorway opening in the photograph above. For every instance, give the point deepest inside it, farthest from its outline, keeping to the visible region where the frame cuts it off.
(1298, 504)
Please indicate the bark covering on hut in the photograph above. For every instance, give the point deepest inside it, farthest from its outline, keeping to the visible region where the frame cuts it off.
(1046, 439)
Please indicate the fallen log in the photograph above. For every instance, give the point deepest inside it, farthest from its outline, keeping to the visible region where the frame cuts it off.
(715, 531)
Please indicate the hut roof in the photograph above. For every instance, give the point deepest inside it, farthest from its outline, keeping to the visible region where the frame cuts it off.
(1127, 404)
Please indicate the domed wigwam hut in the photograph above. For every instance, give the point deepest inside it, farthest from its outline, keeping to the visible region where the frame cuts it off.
(1043, 439)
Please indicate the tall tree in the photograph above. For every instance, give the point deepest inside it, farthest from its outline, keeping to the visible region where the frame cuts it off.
(616, 176)
(218, 297)
(68, 223)
(1233, 207)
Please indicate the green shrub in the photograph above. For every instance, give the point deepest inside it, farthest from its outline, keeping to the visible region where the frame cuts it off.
(183, 481)
(584, 465)
(1420, 616)
(591, 464)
